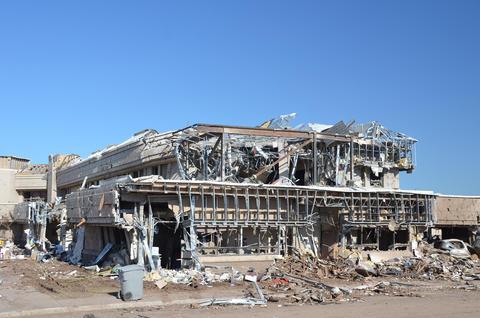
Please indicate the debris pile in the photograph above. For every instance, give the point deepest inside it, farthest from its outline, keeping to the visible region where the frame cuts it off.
(297, 290)
(299, 278)
(311, 267)
(433, 264)
(191, 277)
(430, 263)
(8, 250)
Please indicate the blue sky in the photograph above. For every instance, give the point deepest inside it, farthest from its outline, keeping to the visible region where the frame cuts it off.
(77, 76)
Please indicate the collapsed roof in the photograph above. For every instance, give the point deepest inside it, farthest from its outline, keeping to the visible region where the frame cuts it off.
(274, 152)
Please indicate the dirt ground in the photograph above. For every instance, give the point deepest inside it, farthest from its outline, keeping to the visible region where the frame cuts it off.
(445, 304)
(27, 286)
(57, 278)
(62, 280)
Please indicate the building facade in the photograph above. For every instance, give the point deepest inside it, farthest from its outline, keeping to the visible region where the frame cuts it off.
(212, 193)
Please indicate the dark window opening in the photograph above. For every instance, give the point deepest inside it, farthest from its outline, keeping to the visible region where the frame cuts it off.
(376, 181)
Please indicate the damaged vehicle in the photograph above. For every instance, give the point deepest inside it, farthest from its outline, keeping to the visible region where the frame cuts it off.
(456, 248)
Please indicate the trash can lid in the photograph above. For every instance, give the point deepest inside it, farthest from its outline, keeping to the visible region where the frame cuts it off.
(131, 268)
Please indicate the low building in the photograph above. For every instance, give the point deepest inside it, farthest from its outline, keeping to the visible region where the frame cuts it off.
(215, 193)
(212, 192)
(19, 180)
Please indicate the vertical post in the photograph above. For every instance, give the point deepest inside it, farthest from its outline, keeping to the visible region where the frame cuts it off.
(141, 260)
(278, 206)
(295, 237)
(315, 168)
(361, 235)
(351, 161)
(394, 233)
(284, 159)
(193, 233)
(151, 226)
(214, 206)
(247, 204)
(259, 239)
(43, 228)
(267, 199)
(205, 159)
(51, 181)
(417, 199)
(337, 165)
(223, 157)
(279, 239)
(240, 240)
(225, 205)
(377, 230)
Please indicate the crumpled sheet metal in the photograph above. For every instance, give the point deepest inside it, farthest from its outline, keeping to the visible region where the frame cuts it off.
(261, 300)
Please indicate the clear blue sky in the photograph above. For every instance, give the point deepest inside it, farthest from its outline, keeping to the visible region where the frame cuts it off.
(77, 76)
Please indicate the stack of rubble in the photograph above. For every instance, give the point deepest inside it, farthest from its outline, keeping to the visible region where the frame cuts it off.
(433, 264)
(191, 277)
(299, 278)
(311, 267)
(8, 250)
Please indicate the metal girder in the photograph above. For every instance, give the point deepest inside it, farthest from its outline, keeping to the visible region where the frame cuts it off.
(287, 133)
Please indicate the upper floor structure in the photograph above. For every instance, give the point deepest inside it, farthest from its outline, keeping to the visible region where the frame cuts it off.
(343, 155)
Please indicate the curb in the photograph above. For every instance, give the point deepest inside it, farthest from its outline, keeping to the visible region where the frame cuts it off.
(95, 308)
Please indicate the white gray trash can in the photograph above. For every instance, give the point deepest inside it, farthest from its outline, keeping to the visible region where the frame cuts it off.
(131, 282)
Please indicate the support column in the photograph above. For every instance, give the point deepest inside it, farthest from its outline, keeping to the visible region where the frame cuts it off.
(351, 162)
(337, 164)
(193, 234)
(259, 239)
(151, 225)
(284, 163)
(141, 256)
(51, 180)
(222, 148)
(315, 168)
(240, 240)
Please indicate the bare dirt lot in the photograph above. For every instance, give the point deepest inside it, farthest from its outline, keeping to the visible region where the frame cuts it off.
(57, 289)
(446, 303)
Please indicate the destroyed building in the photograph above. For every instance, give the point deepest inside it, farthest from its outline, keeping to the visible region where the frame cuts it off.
(20, 181)
(214, 193)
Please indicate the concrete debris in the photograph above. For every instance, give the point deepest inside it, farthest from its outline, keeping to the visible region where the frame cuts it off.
(194, 277)
(160, 284)
(10, 251)
(93, 268)
(309, 266)
(250, 301)
(298, 278)
(433, 265)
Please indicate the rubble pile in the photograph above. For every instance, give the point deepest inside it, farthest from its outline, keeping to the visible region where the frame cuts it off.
(297, 290)
(309, 266)
(433, 264)
(194, 278)
(8, 250)
(300, 278)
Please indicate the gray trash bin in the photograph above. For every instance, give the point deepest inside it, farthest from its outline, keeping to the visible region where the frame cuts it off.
(131, 282)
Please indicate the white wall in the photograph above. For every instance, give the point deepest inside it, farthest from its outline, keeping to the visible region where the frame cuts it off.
(8, 194)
